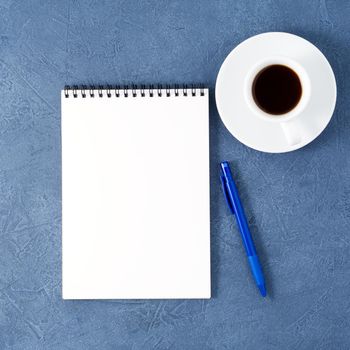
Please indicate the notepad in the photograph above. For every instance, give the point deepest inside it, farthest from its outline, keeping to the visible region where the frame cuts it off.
(135, 193)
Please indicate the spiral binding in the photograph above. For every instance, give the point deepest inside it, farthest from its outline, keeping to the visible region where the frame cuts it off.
(131, 91)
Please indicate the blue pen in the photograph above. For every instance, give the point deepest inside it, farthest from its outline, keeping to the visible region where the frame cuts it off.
(234, 203)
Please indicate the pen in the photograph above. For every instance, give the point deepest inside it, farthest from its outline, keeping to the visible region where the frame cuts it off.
(234, 203)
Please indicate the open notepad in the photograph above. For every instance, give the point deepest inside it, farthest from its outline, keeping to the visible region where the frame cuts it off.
(135, 194)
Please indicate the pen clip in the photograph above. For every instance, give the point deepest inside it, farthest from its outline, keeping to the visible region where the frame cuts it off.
(224, 189)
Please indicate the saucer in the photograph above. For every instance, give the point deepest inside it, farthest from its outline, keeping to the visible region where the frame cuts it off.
(238, 118)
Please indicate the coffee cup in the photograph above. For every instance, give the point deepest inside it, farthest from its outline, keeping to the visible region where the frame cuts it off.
(285, 89)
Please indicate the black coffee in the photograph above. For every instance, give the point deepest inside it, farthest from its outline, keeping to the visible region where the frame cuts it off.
(277, 89)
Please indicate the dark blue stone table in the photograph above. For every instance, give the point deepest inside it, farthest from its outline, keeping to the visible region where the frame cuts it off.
(298, 204)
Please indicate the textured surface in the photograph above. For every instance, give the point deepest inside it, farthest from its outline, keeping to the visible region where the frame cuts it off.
(298, 204)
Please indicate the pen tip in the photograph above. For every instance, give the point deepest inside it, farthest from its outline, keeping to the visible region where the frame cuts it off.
(262, 289)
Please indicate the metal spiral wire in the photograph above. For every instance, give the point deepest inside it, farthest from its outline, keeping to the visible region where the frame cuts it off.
(110, 91)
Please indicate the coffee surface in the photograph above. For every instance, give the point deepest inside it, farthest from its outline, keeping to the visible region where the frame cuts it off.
(277, 89)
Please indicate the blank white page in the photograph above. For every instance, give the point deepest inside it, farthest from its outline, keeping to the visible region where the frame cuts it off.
(135, 196)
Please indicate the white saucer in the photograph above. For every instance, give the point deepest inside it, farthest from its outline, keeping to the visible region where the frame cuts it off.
(243, 124)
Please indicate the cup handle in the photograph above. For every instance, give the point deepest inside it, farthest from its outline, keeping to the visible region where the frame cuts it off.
(294, 131)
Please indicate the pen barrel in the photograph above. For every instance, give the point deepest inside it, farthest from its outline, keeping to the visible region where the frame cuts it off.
(243, 226)
(256, 269)
(246, 236)
(239, 212)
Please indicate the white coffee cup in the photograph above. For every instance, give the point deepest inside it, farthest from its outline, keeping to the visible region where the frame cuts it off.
(291, 122)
